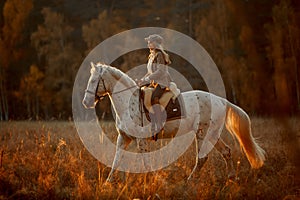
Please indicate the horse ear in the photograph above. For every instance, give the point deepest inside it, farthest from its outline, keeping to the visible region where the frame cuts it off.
(93, 68)
(92, 65)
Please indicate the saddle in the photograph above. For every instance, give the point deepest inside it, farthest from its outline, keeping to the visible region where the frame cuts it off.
(175, 108)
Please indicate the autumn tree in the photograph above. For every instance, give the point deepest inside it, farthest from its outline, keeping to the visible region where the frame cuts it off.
(31, 91)
(235, 45)
(105, 25)
(60, 59)
(283, 53)
(255, 45)
(213, 29)
(15, 15)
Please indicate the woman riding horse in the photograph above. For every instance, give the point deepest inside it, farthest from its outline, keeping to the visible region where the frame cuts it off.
(157, 75)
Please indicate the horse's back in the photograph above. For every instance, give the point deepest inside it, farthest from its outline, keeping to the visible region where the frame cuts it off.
(204, 107)
(201, 100)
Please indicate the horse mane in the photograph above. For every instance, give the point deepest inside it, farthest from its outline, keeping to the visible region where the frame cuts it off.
(117, 74)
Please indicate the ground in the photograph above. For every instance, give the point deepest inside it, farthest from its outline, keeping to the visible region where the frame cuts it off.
(47, 160)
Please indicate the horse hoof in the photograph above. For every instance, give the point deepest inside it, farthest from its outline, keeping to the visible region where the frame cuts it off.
(201, 163)
(233, 177)
(108, 181)
(230, 177)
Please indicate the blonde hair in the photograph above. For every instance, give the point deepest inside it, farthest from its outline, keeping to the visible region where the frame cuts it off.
(166, 56)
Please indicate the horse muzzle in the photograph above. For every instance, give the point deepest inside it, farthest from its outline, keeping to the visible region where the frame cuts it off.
(88, 102)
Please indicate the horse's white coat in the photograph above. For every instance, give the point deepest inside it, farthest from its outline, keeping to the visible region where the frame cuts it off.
(205, 116)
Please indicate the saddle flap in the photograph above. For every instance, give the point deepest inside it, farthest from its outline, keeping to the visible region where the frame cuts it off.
(175, 108)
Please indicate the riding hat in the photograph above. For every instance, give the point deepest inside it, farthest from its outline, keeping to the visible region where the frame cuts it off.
(154, 38)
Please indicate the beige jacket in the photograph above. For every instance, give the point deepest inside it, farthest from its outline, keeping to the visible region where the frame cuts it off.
(158, 70)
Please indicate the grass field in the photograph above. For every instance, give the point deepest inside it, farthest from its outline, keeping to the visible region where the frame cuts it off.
(47, 160)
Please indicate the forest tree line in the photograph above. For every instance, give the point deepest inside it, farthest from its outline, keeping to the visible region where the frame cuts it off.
(255, 44)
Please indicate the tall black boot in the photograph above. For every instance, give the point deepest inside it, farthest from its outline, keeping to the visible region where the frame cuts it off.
(156, 123)
(160, 116)
(153, 123)
(154, 127)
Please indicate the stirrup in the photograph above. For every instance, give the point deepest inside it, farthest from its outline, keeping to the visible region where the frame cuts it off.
(154, 137)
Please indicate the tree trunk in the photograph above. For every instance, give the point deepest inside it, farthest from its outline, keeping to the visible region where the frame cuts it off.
(37, 107)
(1, 110)
(292, 42)
(28, 106)
(3, 102)
(282, 93)
(233, 92)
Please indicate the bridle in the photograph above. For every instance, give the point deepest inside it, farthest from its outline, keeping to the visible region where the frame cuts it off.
(106, 92)
(100, 97)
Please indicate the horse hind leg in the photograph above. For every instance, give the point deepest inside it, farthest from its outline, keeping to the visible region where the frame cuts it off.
(225, 151)
(199, 161)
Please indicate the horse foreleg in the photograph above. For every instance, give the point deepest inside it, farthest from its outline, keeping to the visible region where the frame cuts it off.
(225, 151)
(199, 161)
(143, 146)
(122, 143)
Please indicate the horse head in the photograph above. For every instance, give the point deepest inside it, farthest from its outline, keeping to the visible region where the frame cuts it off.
(95, 88)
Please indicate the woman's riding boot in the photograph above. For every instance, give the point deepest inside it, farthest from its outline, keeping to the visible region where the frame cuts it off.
(160, 116)
(153, 120)
(153, 125)
(158, 119)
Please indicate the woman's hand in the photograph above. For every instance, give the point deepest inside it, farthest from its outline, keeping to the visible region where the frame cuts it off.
(143, 81)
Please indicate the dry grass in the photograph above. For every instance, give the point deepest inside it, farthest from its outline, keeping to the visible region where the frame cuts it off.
(46, 160)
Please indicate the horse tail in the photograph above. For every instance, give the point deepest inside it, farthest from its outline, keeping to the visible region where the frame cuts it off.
(238, 123)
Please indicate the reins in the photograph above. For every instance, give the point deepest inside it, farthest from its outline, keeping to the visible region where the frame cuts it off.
(125, 89)
(103, 83)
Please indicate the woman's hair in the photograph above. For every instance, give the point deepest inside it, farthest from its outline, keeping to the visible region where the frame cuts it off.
(166, 56)
(157, 40)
